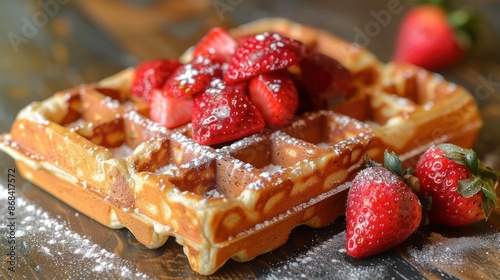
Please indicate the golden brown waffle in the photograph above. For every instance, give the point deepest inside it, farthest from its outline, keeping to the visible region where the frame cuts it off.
(94, 148)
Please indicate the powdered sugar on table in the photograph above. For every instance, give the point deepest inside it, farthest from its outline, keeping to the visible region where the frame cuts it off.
(41, 236)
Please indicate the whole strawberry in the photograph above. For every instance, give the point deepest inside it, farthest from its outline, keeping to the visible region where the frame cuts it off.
(461, 188)
(432, 38)
(382, 210)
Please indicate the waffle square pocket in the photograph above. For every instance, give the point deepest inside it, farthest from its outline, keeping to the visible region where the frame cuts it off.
(96, 148)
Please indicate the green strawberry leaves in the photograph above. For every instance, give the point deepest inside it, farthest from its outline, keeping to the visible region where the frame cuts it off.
(464, 20)
(469, 187)
(471, 161)
(453, 152)
(489, 199)
(393, 163)
(483, 177)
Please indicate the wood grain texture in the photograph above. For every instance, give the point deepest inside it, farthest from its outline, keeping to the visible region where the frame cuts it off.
(88, 40)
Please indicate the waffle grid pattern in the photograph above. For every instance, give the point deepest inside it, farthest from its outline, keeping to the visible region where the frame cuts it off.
(94, 148)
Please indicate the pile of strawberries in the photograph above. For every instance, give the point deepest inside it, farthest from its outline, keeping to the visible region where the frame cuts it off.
(234, 87)
(386, 204)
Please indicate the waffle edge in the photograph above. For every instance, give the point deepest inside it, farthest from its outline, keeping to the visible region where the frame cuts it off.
(98, 152)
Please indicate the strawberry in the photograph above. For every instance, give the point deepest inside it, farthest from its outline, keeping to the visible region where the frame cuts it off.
(431, 38)
(170, 111)
(382, 211)
(223, 113)
(275, 95)
(324, 79)
(263, 53)
(217, 41)
(461, 188)
(150, 75)
(193, 77)
(305, 100)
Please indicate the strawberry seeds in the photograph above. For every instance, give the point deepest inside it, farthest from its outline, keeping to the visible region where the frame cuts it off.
(235, 87)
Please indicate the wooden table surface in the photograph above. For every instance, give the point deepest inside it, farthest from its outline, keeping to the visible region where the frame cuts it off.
(48, 46)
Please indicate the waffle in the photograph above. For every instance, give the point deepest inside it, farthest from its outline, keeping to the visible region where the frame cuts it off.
(94, 148)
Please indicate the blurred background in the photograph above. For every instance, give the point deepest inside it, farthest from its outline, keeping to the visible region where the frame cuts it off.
(51, 45)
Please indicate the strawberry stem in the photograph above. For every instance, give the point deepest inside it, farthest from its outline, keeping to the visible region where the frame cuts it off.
(371, 163)
(413, 182)
(393, 163)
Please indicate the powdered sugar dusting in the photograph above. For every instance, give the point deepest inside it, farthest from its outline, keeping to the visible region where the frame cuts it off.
(472, 257)
(326, 260)
(271, 168)
(376, 175)
(165, 169)
(217, 86)
(213, 193)
(148, 124)
(323, 145)
(76, 124)
(111, 103)
(458, 253)
(50, 238)
(122, 151)
(296, 209)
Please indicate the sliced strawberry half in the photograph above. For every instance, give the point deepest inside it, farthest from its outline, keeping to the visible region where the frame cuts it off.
(168, 111)
(263, 53)
(216, 42)
(325, 79)
(193, 77)
(150, 75)
(276, 97)
(224, 113)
